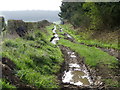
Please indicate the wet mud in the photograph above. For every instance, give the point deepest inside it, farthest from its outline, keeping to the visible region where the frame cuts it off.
(75, 74)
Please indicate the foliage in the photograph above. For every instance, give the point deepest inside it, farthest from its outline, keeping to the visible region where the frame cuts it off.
(92, 15)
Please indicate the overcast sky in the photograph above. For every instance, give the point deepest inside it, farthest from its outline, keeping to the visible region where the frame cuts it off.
(12, 5)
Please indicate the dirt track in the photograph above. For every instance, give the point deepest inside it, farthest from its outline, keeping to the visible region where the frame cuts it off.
(90, 82)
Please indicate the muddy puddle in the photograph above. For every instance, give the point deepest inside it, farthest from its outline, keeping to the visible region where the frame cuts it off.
(55, 37)
(75, 72)
(76, 77)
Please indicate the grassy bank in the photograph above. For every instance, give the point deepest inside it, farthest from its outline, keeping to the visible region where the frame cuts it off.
(84, 36)
(5, 84)
(37, 60)
(92, 55)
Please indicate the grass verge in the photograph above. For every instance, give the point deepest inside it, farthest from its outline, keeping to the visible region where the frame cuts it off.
(36, 59)
(81, 37)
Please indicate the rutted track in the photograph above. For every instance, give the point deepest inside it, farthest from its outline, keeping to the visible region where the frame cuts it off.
(74, 73)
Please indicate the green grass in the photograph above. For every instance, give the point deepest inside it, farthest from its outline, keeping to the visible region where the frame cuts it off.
(112, 83)
(81, 37)
(37, 59)
(92, 55)
(6, 85)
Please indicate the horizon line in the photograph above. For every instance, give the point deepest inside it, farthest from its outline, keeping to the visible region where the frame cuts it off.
(28, 10)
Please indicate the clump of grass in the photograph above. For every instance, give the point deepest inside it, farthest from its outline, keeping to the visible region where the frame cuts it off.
(6, 85)
(11, 44)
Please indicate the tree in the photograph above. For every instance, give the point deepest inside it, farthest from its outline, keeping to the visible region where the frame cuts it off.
(99, 15)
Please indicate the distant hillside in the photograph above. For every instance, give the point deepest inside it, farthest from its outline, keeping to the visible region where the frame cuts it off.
(32, 15)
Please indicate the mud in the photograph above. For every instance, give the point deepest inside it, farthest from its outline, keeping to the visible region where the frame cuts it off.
(76, 70)
(9, 71)
(108, 73)
(111, 52)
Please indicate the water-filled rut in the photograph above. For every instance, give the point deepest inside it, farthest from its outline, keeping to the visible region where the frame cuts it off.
(75, 71)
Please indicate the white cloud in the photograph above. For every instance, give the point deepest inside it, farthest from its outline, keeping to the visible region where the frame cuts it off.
(29, 5)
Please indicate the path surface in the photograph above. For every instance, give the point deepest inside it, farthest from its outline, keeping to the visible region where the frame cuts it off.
(75, 71)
